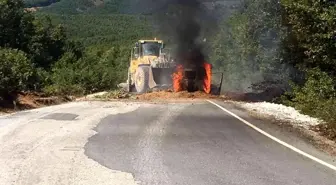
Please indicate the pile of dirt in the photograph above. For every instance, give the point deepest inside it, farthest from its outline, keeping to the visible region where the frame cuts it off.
(166, 95)
(24, 101)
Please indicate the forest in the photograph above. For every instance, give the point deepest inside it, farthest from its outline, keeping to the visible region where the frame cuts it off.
(39, 3)
(86, 6)
(82, 46)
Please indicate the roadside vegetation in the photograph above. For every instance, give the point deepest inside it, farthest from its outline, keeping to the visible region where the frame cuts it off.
(289, 44)
(63, 54)
(83, 46)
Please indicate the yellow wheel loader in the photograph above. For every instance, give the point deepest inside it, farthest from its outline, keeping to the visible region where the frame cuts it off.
(149, 66)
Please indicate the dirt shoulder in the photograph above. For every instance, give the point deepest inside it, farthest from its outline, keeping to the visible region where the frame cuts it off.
(292, 121)
(26, 101)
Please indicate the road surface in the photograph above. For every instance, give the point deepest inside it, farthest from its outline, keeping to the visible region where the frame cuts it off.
(123, 143)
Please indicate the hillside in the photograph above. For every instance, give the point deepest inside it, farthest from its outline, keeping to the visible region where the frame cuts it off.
(97, 22)
(109, 22)
(113, 29)
(79, 6)
(39, 3)
(111, 6)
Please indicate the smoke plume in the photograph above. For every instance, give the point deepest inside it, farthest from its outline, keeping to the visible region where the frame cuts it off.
(182, 22)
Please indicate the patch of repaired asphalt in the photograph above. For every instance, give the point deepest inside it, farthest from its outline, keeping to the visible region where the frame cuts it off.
(114, 144)
(61, 116)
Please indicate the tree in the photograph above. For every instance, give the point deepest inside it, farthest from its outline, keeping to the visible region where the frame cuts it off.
(16, 25)
(312, 34)
(47, 44)
(248, 46)
(15, 71)
(43, 42)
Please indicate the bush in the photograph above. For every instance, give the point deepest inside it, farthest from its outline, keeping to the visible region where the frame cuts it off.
(317, 97)
(16, 70)
(64, 77)
(91, 73)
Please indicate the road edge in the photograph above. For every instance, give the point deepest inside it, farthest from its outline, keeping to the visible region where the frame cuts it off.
(274, 138)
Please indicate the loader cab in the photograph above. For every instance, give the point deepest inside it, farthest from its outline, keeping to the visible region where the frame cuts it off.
(147, 48)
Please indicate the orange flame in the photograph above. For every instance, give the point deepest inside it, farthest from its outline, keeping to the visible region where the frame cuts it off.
(207, 78)
(178, 79)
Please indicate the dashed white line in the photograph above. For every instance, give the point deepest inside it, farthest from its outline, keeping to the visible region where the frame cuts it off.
(275, 139)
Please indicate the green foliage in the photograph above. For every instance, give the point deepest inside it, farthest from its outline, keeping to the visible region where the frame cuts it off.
(317, 97)
(39, 43)
(15, 71)
(108, 30)
(247, 47)
(39, 3)
(311, 46)
(47, 44)
(107, 40)
(43, 42)
(95, 71)
(312, 40)
(16, 26)
(64, 76)
(87, 6)
(267, 40)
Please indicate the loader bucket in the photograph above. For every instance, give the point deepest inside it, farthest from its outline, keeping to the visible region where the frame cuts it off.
(159, 77)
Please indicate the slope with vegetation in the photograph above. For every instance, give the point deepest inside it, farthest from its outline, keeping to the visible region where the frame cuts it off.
(86, 6)
(39, 3)
(64, 53)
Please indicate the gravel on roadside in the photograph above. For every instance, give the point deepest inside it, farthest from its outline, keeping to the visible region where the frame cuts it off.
(281, 113)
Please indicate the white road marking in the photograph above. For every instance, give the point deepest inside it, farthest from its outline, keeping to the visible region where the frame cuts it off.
(274, 138)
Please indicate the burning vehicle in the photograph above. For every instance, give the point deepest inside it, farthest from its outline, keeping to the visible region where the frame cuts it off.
(184, 23)
(192, 74)
(151, 68)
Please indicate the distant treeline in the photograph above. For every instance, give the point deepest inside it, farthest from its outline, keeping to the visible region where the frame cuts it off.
(39, 3)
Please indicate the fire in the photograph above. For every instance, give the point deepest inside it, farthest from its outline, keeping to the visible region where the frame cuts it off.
(207, 78)
(178, 79)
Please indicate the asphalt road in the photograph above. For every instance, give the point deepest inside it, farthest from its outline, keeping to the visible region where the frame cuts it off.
(186, 143)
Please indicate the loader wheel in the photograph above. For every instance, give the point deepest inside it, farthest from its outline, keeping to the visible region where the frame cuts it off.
(142, 79)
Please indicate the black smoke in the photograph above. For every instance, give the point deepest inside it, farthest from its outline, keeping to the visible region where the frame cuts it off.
(187, 31)
(184, 23)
